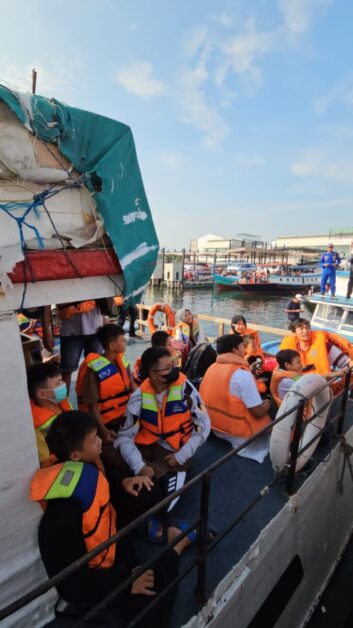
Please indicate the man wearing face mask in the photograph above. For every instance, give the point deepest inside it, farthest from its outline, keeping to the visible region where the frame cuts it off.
(166, 420)
(48, 396)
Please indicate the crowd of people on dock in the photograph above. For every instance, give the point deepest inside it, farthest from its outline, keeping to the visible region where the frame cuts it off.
(129, 438)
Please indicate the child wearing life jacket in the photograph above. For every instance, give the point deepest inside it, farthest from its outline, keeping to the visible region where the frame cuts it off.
(254, 358)
(290, 369)
(104, 382)
(79, 516)
(48, 397)
(159, 338)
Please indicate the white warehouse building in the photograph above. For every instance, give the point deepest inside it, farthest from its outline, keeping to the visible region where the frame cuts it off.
(341, 238)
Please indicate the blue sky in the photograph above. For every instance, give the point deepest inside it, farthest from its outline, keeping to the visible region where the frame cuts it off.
(241, 109)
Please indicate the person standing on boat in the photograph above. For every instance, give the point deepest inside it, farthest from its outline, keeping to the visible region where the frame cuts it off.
(350, 280)
(79, 323)
(293, 310)
(329, 262)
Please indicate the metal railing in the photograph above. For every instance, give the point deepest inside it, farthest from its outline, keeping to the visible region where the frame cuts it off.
(223, 323)
(201, 523)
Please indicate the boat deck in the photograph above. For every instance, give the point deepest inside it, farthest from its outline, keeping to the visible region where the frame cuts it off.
(233, 486)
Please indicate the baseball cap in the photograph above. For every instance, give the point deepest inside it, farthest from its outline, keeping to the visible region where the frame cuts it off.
(299, 297)
(329, 244)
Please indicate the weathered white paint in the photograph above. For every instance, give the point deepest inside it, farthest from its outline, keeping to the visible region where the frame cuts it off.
(315, 524)
(20, 565)
(61, 291)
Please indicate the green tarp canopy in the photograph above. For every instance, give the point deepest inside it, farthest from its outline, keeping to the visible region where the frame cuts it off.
(104, 150)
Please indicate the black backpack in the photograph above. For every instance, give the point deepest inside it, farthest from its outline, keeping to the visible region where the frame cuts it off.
(199, 359)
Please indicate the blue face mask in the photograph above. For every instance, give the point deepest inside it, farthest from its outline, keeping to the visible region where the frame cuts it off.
(60, 393)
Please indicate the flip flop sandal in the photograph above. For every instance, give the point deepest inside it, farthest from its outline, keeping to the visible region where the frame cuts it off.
(193, 535)
(153, 526)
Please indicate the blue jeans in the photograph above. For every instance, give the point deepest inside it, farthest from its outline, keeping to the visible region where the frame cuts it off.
(71, 348)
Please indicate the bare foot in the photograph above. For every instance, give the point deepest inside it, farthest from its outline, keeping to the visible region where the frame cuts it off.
(172, 533)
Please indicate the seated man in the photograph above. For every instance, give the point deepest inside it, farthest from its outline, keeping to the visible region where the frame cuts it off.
(322, 350)
(165, 419)
(79, 516)
(104, 382)
(230, 394)
(160, 338)
(48, 395)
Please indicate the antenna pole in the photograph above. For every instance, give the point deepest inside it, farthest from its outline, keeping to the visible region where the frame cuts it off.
(34, 80)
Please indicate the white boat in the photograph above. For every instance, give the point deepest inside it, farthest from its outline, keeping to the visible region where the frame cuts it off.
(287, 543)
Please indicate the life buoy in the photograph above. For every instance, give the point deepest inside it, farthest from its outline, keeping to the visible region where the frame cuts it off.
(281, 435)
(167, 310)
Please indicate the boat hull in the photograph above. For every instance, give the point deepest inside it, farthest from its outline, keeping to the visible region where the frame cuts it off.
(310, 532)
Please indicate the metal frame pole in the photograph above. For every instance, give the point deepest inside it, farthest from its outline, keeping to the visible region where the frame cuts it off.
(344, 400)
(295, 447)
(203, 538)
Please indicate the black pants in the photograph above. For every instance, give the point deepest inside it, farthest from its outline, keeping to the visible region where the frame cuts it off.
(127, 312)
(350, 286)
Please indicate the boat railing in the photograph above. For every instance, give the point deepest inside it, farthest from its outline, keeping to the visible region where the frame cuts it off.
(222, 323)
(201, 522)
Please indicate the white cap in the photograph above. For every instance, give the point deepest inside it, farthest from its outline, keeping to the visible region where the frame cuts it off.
(329, 244)
(299, 297)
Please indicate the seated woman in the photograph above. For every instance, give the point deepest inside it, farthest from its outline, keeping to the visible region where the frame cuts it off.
(188, 331)
(238, 326)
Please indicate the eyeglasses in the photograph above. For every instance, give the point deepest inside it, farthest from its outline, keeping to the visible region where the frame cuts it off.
(168, 368)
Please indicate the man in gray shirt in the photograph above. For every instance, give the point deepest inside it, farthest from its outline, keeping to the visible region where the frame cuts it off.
(166, 420)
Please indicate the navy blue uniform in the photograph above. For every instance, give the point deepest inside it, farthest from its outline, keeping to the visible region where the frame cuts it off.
(329, 262)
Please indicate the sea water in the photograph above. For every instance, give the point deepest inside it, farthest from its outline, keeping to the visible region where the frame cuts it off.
(261, 309)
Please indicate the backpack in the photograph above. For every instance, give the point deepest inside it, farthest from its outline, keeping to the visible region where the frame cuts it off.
(199, 359)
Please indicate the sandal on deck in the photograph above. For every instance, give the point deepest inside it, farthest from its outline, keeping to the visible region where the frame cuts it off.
(193, 535)
(153, 525)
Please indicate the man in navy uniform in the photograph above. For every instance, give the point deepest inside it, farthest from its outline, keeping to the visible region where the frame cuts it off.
(329, 262)
(350, 280)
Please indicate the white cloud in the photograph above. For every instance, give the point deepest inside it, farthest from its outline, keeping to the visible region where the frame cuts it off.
(299, 14)
(137, 78)
(194, 39)
(323, 164)
(55, 77)
(242, 51)
(341, 93)
(194, 108)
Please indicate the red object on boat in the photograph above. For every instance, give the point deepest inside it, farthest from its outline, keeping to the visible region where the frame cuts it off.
(270, 364)
(65, 264)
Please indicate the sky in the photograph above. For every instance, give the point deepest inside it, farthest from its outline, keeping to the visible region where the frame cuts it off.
(241, 110)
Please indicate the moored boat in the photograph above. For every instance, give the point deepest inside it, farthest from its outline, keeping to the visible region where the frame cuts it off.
(287, 280)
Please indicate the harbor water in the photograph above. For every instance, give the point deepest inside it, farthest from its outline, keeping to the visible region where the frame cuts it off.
(265, 310)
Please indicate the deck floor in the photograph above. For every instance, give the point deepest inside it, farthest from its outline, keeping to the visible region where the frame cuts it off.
(233, 486)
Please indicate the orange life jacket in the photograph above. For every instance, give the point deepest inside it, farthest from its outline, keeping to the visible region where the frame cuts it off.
(85, 484)
(317, 354)
(119, 300)
(277, 376)
(172, 423)
(68, 310)
(136, 371)
(42, 420)
(114, 385)
(228, 413)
